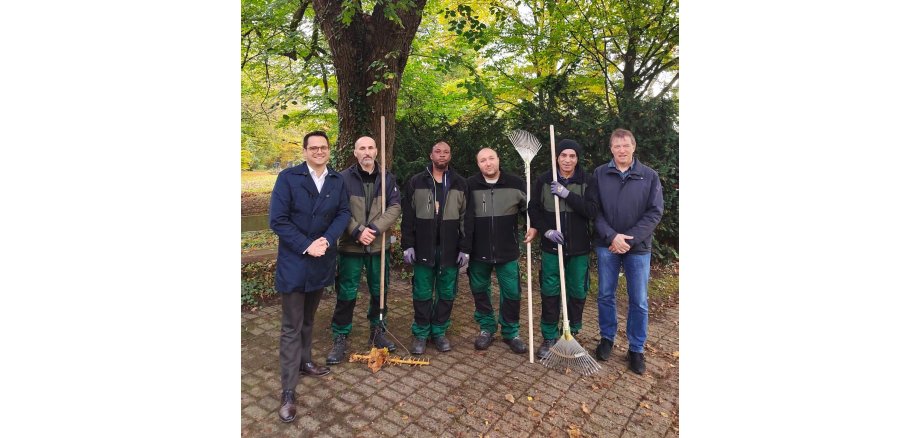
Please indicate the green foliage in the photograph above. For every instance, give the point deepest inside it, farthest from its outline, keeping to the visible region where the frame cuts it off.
(257, 282)
(245, 160)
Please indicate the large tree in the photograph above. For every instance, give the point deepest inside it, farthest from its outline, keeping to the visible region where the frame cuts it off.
(367, 46)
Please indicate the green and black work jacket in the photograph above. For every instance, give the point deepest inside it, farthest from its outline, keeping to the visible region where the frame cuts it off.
(425, 223)
(576, 211)
(492, 217)
(366, 214)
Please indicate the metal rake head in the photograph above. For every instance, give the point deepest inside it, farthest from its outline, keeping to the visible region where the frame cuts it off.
(525, 143)
(568, 354)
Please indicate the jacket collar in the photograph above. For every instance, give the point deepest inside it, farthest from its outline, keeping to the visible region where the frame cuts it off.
(577, 177)
(502, 177)
(635, 168)
(308, 183)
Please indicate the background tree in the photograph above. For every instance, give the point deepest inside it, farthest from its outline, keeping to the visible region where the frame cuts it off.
(467, 73)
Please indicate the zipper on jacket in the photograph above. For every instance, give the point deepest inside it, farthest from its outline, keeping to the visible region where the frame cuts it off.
(492, 225)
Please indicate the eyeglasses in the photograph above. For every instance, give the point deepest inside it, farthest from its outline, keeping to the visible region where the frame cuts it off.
(315, 149)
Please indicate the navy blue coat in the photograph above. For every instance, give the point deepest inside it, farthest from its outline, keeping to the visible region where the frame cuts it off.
(632, 206)
(299, 215)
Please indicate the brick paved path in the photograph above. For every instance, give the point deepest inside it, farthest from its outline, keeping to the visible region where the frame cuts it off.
(463, 392)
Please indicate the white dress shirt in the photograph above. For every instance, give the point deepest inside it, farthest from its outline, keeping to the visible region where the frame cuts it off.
(319, 179)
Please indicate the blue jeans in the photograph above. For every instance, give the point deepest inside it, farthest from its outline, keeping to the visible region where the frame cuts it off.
(637, 268)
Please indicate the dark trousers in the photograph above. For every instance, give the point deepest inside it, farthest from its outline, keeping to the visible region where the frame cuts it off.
(297, 311)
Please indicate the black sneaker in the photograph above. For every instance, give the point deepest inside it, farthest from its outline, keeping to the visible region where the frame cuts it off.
(516, 344)
(543, 352)
(337, 353)
(418, 346)
(379, 339)
(603, 349)
(442, 344)
(636, 362)
(483, 341)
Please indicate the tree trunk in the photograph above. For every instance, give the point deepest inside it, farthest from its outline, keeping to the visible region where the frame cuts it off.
(363, 53)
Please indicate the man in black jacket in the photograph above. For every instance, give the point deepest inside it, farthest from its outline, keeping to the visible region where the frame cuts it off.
(495, 199)
(432, 237)
(359, 249)
(577, 208)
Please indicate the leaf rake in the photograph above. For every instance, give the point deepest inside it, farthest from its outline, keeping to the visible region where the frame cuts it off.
(527, 146)
(566, 353)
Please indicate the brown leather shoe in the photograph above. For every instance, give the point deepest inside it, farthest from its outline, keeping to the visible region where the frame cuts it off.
(312, 369)
(288, 406)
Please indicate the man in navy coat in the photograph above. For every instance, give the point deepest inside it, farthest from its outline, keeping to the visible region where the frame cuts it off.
(308, 212)
(630, 205)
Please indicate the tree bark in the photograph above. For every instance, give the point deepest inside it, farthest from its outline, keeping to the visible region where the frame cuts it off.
(364, 52)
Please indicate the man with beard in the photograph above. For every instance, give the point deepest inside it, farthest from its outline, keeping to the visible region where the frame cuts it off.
(576, 209)
(308, 211)
(496, 199)
(432, 235)
(360, 248)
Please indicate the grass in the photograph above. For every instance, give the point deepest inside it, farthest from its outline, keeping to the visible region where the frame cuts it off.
(253, 240)
(257, 181)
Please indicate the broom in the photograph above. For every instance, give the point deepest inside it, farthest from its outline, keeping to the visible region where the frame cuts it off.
(527, 146)
(566, 353)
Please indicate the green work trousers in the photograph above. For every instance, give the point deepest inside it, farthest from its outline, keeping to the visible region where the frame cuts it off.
(576, 289)
(347, 281)
(433, 291)
(509, 304)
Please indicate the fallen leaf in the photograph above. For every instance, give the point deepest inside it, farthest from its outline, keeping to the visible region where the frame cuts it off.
(594, 387)
(675, 354)
(529, 398)
(645, 405)
(664, 414)
(405, 418)
(584, 408)
(574, 432)
(510, 398)
(451, 409)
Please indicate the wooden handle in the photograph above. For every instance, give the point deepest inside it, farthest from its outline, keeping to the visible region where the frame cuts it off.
(383, 209)
(565, 310)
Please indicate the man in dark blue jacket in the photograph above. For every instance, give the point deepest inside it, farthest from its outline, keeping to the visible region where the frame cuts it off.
(308, 212)
(630, 206)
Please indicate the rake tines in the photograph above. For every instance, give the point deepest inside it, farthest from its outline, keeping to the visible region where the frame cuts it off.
(525, 143)
(569, 354)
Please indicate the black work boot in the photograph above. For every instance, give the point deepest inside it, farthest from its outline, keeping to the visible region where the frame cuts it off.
(418, 345)
(441, 343)
(543, 352)
(516, 344)
(636, 362)
(379, 339)
(603, 349)
(337, 353)
(483, 341)
(288, 409)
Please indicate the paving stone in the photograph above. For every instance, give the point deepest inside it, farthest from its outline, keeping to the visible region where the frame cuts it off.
(463, 389)
(255, 411)
(386, 428)
(307, 424)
